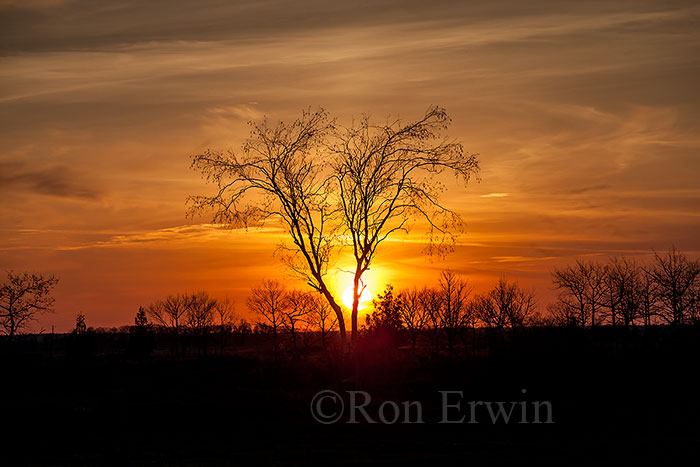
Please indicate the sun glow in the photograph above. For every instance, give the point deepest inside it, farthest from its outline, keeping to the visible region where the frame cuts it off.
(365, 298)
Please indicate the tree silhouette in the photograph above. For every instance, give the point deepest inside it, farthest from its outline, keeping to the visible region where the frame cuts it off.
(378, 179)
(297, 306)
(431, 302)
(677, 281)
(414, 314)
(387, 313)
(140, 336)
(322, 318)
(170, 313)
(80, 326)
(624, 291)
(279, 174)
(199, 316)
(454, 310)
(506, 306)
(384, 174)
(141, 320)
(582, 288)
(226, 318)
(268, 301)
(22, 297)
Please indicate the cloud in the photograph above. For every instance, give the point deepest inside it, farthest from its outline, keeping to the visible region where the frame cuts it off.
(58, 181)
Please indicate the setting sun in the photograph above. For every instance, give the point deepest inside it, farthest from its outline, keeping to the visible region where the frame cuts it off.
(365, 298)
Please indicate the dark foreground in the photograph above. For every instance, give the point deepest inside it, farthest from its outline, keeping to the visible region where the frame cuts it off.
(615, 400)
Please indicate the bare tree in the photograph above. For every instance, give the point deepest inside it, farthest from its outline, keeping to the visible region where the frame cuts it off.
(22, 297)
(170, 314)
(582, 287)
(268, 301)
(298, 305)
(562, 314)
(225, 313)
(455, 308)
(385, 177)
(199, 317)
(677, 280)
(648, 301)
(279, 175)
(431, 302)
(380, 177)
(322, 318)
(414, 314)
(506, 306)
(623, 290)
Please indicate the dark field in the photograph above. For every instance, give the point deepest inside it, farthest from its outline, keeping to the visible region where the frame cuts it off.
(616, 395)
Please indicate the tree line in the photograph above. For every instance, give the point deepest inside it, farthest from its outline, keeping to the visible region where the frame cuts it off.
(626, 292)
(619, 292)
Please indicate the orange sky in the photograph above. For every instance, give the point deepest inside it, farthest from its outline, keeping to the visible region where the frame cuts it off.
(585, 116)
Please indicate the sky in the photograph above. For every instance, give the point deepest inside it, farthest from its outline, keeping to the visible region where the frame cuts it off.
(585, 116)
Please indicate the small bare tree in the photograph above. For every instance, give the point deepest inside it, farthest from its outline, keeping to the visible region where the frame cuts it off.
(623, 291)
(322, 318)
(385, 174)
(22, 297)
(414, 314)
(170, 314)
(455, 309)
(298, 306)
(582, 287)
(677, 280)
(648, 298)
(225, 313)
(268, 301)
(199, 316)
(506, 306)
(431, 301)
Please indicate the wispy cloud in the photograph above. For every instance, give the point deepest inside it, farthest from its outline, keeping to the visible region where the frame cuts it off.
(50, 180)
(495, 195)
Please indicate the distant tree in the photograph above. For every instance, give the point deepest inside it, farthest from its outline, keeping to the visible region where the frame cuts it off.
(140, 336)
(583, 288)
(297, 307)
(506, 306)
(623, 291)
(431, 301)
(225, 313)
(455, 309)
(199, 316)
(384, 174)
(648, 298)
(268, 302)
(244, 327)
(386, 316)
(141, 320)
(563, 314)
(414, 314)
(80, 326)
(170, 314)
(322, 318)
(677, 281)
(22, 297)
